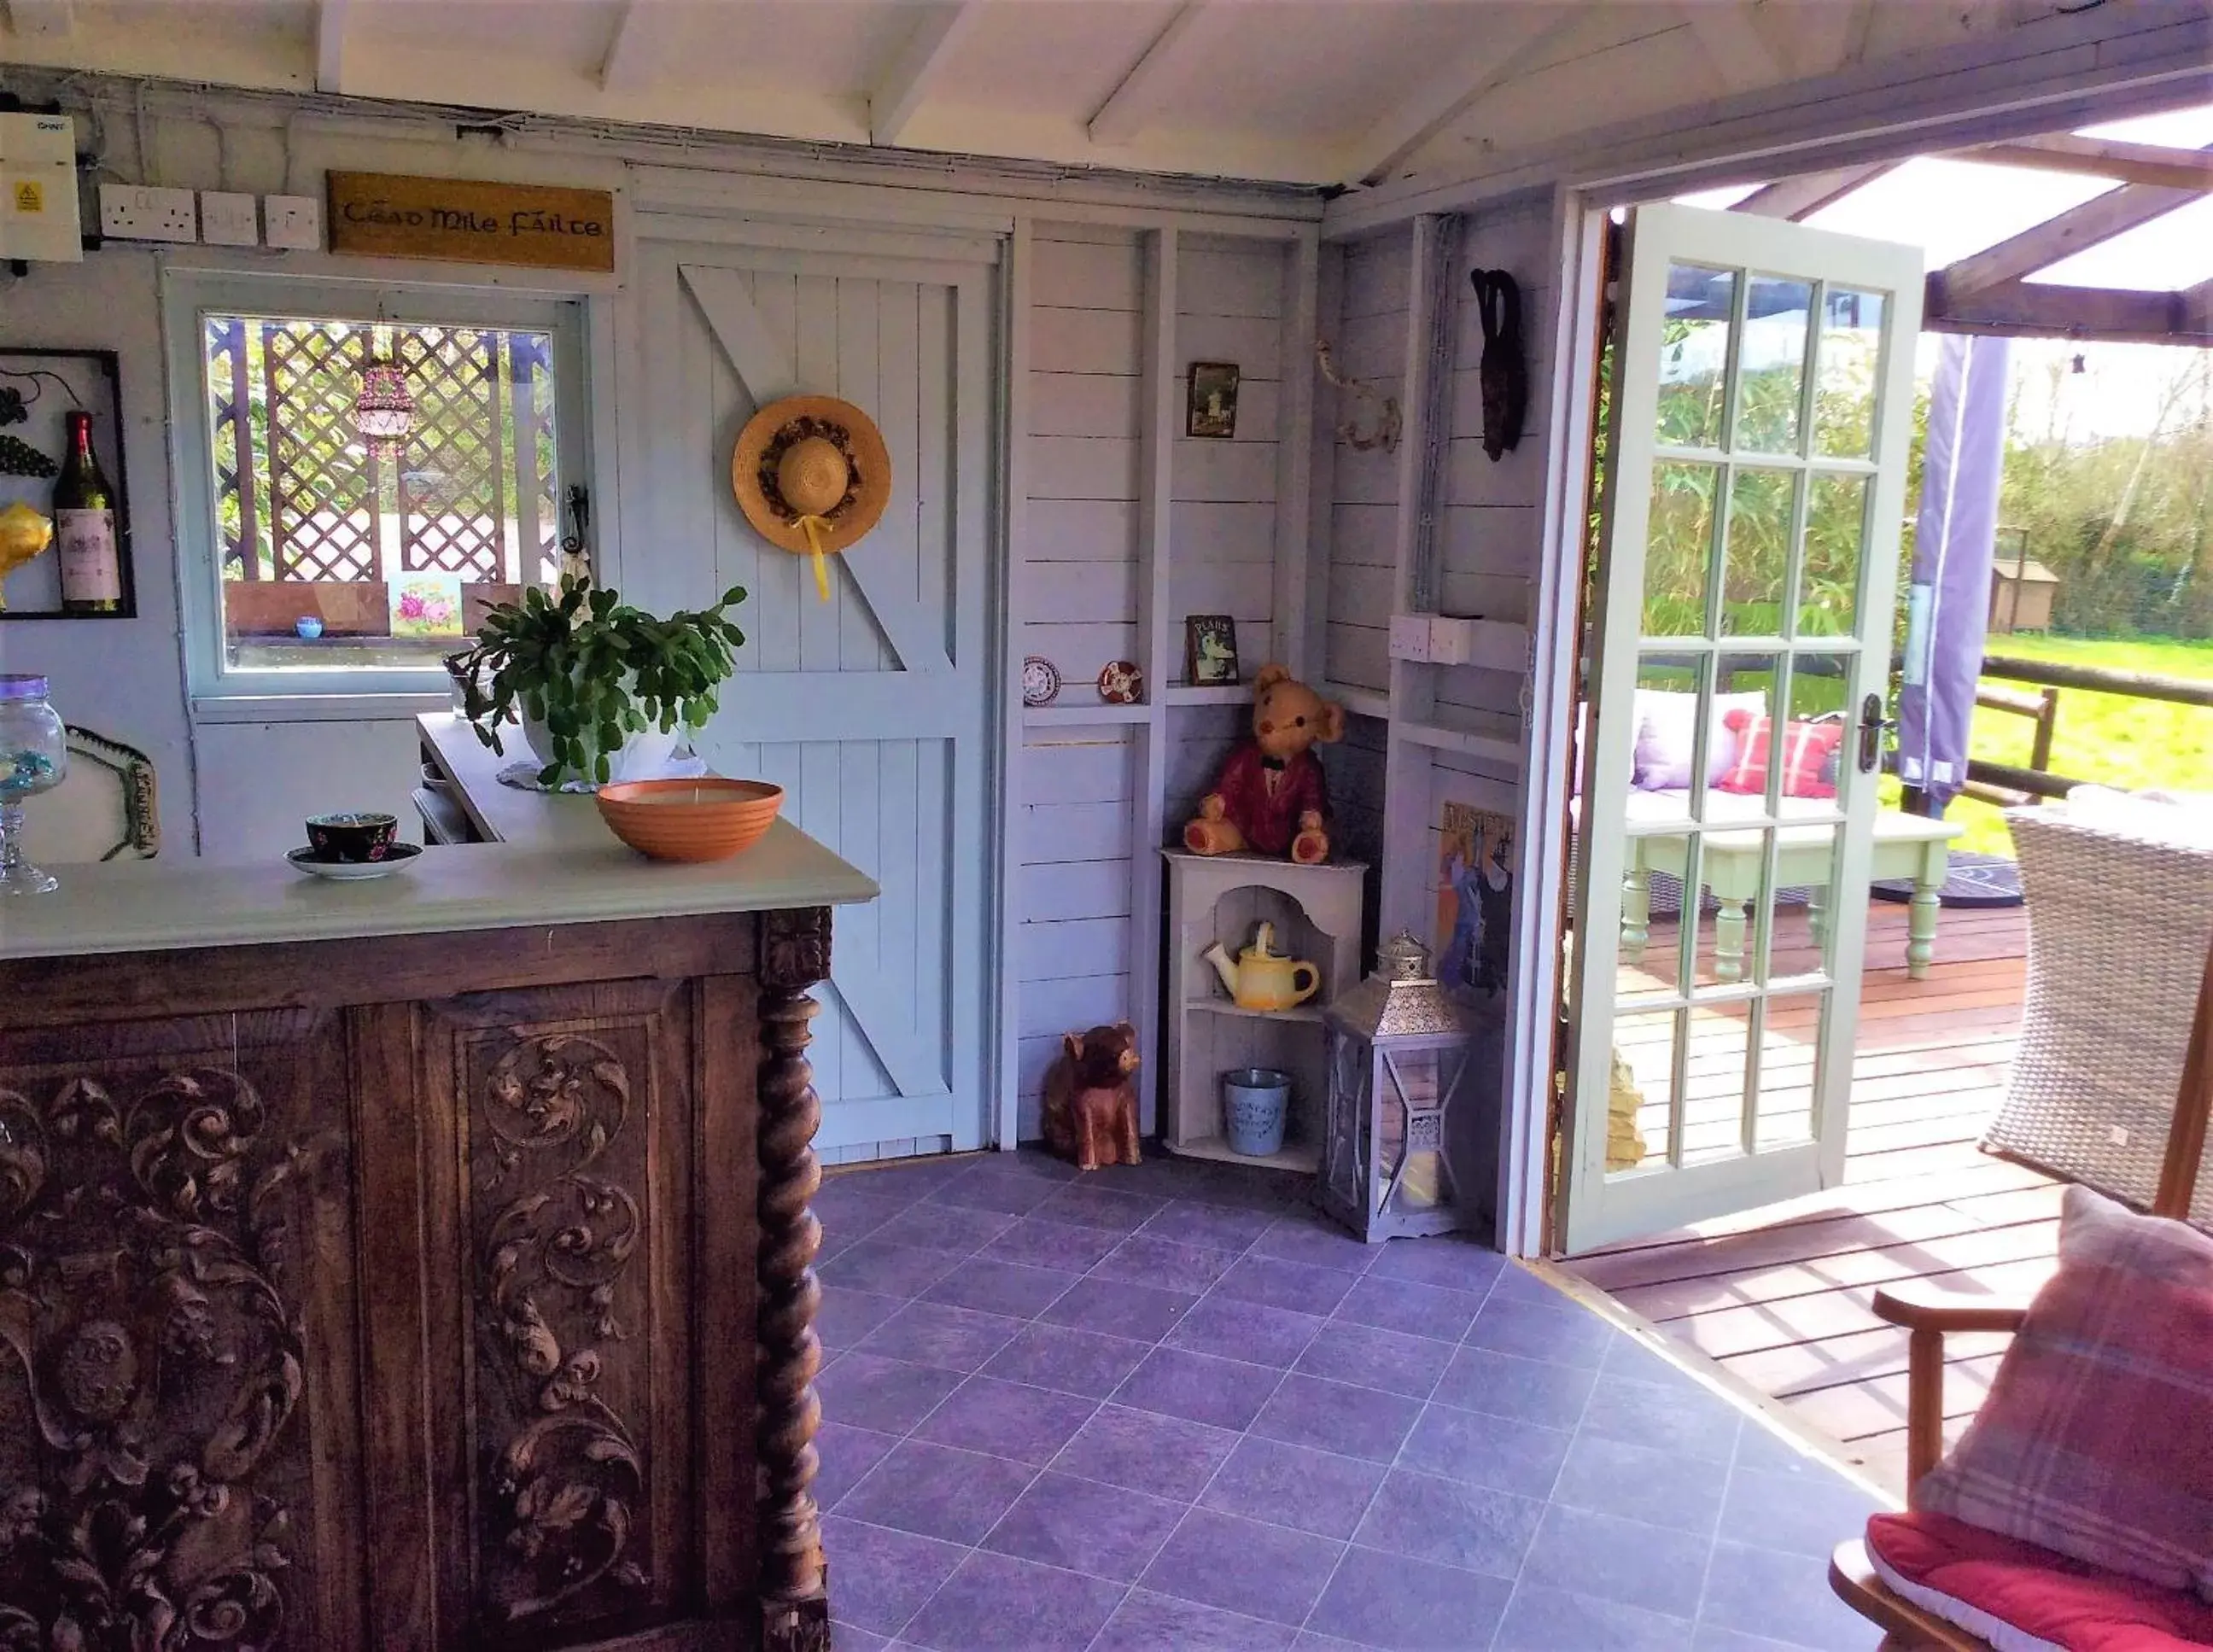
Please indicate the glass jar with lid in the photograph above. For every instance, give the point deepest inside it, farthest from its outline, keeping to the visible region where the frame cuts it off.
(34, 757)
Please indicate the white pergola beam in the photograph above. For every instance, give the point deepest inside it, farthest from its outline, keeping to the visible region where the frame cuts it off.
(1155, 80)
(1425, 111)
(623, 65)
(330, 45)
(2041, 246)
(40, 20)
(2095, 157)
(1800, 197)
(899, 94)
(1734, 45)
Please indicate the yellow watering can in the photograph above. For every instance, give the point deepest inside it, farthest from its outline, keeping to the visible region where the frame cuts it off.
(1262, 978)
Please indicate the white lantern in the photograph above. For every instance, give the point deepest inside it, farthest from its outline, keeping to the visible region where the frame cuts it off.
(1400, 1056)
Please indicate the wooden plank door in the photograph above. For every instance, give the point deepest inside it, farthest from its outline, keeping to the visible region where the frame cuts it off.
(869, 708)
(1763, 400)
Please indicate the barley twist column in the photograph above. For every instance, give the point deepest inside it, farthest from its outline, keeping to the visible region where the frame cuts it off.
(795, 1605)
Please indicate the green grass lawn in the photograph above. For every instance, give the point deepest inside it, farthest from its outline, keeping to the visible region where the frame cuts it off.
(2107, 738)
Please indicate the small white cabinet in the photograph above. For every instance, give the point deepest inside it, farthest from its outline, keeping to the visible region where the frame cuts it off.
(1316, 912)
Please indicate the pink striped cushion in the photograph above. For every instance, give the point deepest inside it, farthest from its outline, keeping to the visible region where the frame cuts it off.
(2097, 1438)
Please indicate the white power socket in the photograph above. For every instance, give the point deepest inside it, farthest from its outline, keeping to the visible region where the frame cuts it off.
(293, 221)
(228, 220)
(128, 212)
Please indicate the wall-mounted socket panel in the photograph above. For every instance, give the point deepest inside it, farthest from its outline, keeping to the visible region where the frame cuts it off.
(1440, 639)
(130, 212)
(1409, 637)
(293, 221)
(228, 220)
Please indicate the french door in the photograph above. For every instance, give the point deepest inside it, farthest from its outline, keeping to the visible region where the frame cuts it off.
(869, 708)
(1762, 401)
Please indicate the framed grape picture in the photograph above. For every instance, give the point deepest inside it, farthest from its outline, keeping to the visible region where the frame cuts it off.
(60, 495)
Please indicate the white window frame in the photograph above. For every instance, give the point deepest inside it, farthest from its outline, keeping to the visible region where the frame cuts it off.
(188, 298)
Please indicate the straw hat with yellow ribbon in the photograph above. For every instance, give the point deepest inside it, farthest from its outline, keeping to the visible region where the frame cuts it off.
(811, 475)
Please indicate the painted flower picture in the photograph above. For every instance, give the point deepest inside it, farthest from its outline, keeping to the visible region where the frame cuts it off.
(427, 605)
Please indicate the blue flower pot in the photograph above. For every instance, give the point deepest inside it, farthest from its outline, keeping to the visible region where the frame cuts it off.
(1255, 1101)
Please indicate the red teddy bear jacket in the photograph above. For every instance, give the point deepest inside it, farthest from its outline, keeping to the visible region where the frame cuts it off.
(1263, 798)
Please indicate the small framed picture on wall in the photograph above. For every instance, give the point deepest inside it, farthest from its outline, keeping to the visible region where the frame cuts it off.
(1213, 411)
(1209, 648)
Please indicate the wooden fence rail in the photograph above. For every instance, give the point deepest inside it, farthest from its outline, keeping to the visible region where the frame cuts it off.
(2136, 684)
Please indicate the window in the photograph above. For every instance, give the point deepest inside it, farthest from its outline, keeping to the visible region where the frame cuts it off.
(374, 485)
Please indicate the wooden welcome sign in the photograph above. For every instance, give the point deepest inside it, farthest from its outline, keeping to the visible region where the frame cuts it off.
(472, 222)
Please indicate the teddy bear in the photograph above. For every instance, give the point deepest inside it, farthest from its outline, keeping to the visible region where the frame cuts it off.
(1272, 797)
(1091, 1097)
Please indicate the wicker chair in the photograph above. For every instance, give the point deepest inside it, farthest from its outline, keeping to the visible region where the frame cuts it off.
(2118, 930)
(1929, 1315)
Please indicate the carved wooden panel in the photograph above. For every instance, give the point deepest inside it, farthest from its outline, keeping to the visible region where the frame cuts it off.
(571, 1113)
(176, 1406)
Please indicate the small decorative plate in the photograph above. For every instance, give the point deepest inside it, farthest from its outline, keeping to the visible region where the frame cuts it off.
(397, 857)
(1121, 683)
(1040, 680)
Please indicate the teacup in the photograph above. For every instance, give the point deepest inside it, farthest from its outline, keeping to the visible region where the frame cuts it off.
(351, 837)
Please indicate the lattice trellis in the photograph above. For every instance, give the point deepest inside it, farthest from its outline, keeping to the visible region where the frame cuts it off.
(323, 486)
(450, 507)
(479, 465)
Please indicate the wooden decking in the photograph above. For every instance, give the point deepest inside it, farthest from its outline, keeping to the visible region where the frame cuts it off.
(1780, 1297)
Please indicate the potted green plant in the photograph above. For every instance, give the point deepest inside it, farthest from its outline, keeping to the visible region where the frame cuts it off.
(599, 686)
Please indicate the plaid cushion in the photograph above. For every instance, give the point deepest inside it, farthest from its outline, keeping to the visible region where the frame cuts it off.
(1809, 753)
(2097, 1438)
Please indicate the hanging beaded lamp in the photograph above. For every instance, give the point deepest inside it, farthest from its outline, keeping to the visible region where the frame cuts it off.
(383, 410)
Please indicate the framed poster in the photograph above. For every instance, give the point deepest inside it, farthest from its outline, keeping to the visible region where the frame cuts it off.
(1210, 649)
(1475, 900)
(39, 389)
(1213, 409)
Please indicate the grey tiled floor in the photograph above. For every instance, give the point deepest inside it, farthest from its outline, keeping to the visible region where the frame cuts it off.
(1169, 1407)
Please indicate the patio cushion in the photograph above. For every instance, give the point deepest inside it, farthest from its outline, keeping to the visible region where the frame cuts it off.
(2097, 1438)
(1808, 751)
(2023, 1599)
(1668, 722)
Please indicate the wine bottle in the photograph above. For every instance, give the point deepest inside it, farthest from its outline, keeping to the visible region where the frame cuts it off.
(84, 528)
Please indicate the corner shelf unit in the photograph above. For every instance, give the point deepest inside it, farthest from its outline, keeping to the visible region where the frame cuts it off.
(1316, 911)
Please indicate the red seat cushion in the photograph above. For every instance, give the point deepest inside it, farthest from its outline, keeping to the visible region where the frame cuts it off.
(2023, 1599)
(1809, 750)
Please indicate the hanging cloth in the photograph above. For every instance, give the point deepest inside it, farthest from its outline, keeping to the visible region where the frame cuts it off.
(1505, 369)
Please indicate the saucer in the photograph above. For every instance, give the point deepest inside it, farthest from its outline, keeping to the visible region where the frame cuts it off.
(399, 855)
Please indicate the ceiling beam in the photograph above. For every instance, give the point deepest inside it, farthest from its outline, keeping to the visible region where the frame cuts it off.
(1154, 79)
(2024, 309)
(40, 20)
(622, 64)
(1802, 197)
(330, 45)
(1434, 104)
(928, 48)
(1734, 44)
(2041, 246)
(2129, 163)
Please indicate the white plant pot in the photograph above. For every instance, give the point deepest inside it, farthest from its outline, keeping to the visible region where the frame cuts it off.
(644, 756)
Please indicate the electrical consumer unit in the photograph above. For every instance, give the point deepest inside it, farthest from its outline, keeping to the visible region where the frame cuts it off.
(37, 188)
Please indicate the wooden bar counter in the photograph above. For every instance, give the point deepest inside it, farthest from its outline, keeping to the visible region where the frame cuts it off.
(415, 1263)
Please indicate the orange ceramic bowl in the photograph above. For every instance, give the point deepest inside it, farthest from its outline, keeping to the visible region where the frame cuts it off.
(709, 819)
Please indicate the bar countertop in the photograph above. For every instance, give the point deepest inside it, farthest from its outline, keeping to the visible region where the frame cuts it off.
(557, 864)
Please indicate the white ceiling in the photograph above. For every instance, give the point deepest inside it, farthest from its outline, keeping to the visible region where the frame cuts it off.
(1307, 91)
